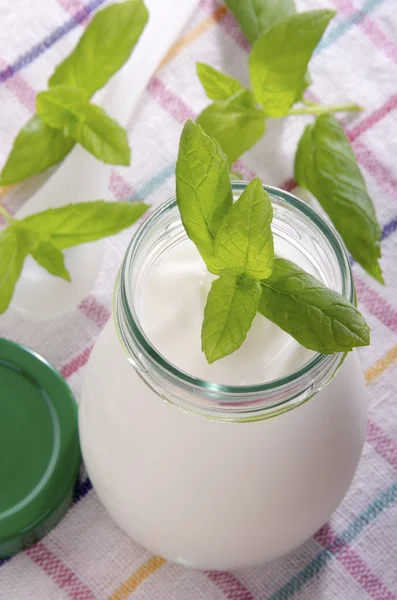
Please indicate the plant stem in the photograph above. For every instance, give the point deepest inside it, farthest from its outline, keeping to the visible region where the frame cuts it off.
(4, 213)
(308, 102)
(320, 109)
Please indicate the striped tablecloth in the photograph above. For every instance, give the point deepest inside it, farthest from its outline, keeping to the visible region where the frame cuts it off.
(354, 556)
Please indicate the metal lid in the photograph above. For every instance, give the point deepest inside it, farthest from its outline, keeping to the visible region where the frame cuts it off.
(39, 447)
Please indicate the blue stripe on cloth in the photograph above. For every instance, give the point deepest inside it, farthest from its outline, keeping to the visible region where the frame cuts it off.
(55, 36)
(370, 514)
(389, 228)
(355, 18)
(155, 182)
(81, 489)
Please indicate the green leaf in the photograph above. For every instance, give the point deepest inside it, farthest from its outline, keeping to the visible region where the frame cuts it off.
(235, 123)
(255, 16)
(306, 81)
(51, 258)
(234, 175)
(103, 48)
(203, 189)
(244, 242)
(230, 309)
(279, 59)
(36, 147)
(325, 165)
(83, 222)
(317, 317)
(15, 245)
(217, 85)
(66, 108)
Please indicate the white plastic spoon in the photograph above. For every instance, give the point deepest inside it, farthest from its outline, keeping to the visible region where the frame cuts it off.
(39, 295)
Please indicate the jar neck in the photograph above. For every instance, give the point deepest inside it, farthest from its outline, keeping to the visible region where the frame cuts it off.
(294, 223)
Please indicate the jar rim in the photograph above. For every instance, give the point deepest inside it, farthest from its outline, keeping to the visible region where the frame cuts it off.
(319, 361)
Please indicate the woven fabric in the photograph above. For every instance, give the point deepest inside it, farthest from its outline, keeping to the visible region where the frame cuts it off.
(86, 557)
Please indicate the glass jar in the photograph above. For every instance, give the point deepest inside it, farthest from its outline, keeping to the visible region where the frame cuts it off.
(214, 476)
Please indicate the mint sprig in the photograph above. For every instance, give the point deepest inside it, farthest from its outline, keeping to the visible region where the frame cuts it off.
(46, 234)
(244, 242)
(325, 165)
(36, 148)
(65, 108)
(230, 309)
(238, 246)
(216, 84)
(103, 48)
(50, 135)
(236, 123)
(279, 58)
(203, 188)
(317, 317)
(255, 16)
(283, 43)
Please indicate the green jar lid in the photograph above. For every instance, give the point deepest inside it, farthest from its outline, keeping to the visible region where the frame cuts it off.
(39, 447)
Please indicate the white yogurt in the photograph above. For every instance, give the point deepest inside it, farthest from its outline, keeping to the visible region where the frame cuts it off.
(171, 312)
(214, 493)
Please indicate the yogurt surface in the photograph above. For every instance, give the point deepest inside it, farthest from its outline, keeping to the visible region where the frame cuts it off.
(171, 309)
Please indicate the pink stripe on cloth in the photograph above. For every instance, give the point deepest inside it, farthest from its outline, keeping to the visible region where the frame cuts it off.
(384, 445)
(64, 577)
(232, 587)
(376, 116)
(175, 106)
(73, 7)
(228, 24)
(76, 362)
(94, 311)
(119, 187)
(381, 174)
(289, 184)
(370, 28)
(20, 88)
(377, 305)
(354, 564)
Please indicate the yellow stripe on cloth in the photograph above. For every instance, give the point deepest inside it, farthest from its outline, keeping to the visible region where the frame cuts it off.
(193, 35)
(381, 365)
(4, 190)
(130, 585)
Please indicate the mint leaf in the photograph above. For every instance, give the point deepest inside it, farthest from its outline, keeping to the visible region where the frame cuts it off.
(317, 317)
(36, 147)
(306, 81)
(45, 234)
(230, 309)
(244, 242)
(280, 56)
(65, 108)
(15, 245)
(203, 189)
(51, 258)
(234, 175)
(217, 85)
(235, 123)
(325, 165)
(255, 16)
(83, 222)
(103, 48)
